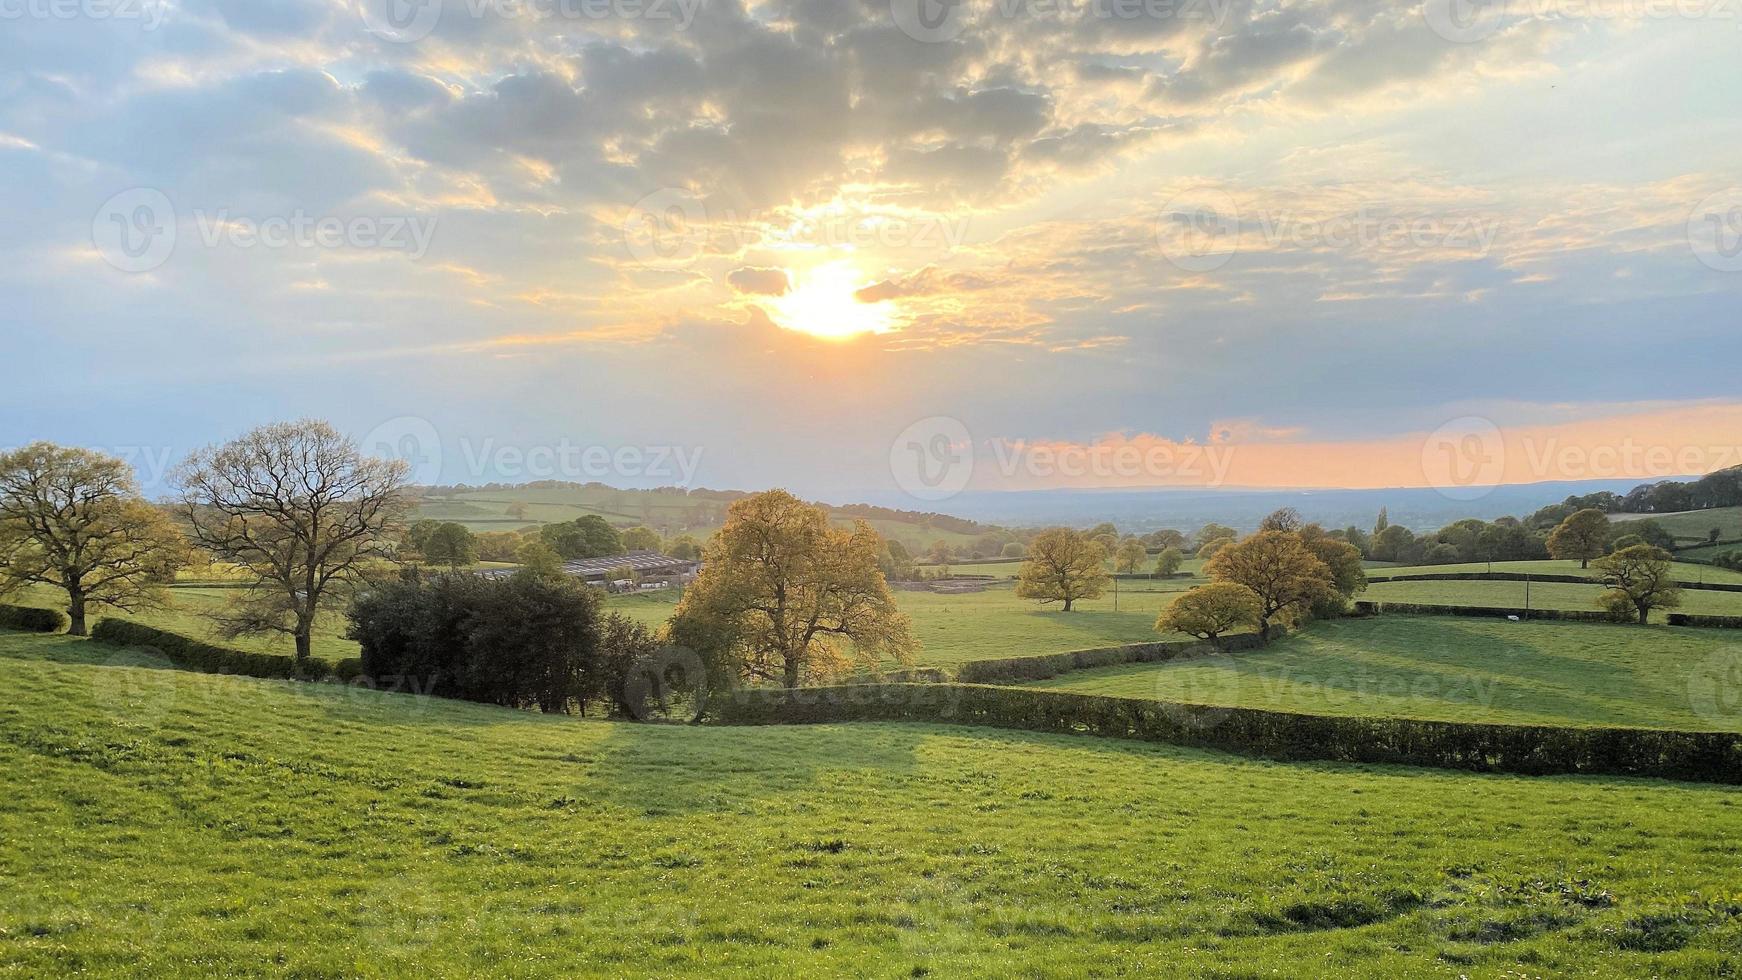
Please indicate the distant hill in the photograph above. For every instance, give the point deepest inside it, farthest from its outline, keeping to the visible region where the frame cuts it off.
(1139, 511)
(669, 510)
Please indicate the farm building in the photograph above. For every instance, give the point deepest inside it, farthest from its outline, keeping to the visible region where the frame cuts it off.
(645, 564)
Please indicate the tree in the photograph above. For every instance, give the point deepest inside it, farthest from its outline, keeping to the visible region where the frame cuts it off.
(784, 595)
(1209, 611)
(1583, 535)
(499, 545)
(1278, 567)
(1168, 562)
(73, 520)
(1129, 557)
(452, 545)
(1285, 519)
(539, 560)
(1382, 522)
(584, 537)
(1640, 576)
(685, 546)
(1213, 532)
(1341, 559)
(1210, 548)
(641, 538)
(1063, 566)
(301, 511)
(1014, 550)
(1392, 542)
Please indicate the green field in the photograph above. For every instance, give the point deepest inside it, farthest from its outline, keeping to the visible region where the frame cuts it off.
(1685, 571)
(1691, 525)
(159, 823)
(953, 629)
(669, 512)
(1543, 595)
(1587, 674)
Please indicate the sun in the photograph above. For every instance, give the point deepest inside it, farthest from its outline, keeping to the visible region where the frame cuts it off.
(821, 303)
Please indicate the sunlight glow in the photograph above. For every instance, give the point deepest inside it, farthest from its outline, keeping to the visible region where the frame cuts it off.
(822, 304)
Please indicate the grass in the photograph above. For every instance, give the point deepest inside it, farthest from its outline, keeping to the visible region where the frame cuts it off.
(1543, 595)
(1691, 525)
(162, 823)
(1683, 570)
(1460, 670)
(953, 629)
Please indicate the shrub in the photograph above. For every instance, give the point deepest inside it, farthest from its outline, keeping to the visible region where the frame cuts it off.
(522, 641)
(1706, 622)
(29, 619)
(1526, 749)
(192, 654)
(1014, 670)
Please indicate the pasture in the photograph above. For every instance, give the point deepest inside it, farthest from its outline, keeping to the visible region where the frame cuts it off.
(1542, 595)
(160, 822)
(1683, 570)
(1691, 526)
(1460, 669)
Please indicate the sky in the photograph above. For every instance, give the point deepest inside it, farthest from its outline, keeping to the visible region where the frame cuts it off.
(882, 247)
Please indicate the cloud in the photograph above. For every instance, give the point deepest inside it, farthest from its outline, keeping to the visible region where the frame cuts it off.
(760, 282)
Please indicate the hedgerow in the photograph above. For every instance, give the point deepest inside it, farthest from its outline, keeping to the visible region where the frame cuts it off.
(191, 654)
(1369, 607)
(1531, 577)
(29, 619)
(1706, 622)
(1524, 749)
(1013, 670)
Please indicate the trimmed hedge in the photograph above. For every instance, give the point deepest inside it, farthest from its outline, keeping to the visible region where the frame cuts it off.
(1524, 577)
(1706, 622)
(29, 619)
(1524, 749)
(192, 654)
(1012, 670)
(1369, 607)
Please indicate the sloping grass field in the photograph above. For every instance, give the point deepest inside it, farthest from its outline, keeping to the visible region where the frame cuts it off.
(1692, 525)
(1457, 669)
(1543, 595)
(163, 823)
(1683, 570)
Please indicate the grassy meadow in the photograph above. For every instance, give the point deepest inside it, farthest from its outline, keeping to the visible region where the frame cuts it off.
(1685, 571)
(1459, 669)
(1691, 525)
(163, 823)
(1543, 595)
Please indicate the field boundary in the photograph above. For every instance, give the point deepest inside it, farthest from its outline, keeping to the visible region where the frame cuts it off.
(1551, 578)
(1535, 750)
(1040, 666)
(192, 654)
(1373, 607)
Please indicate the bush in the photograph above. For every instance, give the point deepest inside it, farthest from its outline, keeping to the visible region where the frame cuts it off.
(1706, 622)
(521, 641)
(191, 654)
(1526, 749)
(29, 619)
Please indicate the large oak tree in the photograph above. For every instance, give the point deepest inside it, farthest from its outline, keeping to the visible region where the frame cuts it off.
(1063, 566)
(73, 520)
(1285, 574)
(302, 512)
(785, 596)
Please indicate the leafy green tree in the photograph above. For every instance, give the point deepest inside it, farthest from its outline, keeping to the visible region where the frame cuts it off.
(1392, 542)
(1639, 577)
(73, 520)
(685, 546)
(539, 559)
(1063, 566)
(586, 537)
(1210, 611)
(1287, 577)
(1584, 535)
(1013, 550)
(1129, 557)
(641, 538)
(1209, 549)
(1213, 532)
(1168, 562)
(785, 595)
(452, 545)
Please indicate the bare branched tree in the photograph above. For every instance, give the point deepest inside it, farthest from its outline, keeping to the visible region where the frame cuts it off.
(302, 511)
